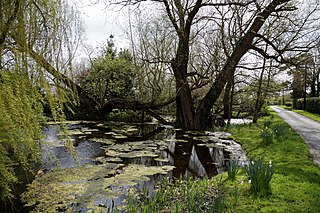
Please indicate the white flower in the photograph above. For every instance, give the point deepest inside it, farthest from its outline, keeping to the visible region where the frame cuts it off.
(252, 162)
(249, 181)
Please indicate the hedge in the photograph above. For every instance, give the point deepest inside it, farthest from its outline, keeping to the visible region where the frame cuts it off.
(312, 104)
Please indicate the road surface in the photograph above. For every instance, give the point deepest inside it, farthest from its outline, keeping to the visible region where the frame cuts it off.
(308, 129)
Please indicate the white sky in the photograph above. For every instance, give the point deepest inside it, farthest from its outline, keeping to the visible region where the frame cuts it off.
(100, 23)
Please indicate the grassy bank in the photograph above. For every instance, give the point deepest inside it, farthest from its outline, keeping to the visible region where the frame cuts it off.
(295, 184)
(310, 115)
(296, 180)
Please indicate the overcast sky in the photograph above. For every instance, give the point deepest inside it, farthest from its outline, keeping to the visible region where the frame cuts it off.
(100, 23)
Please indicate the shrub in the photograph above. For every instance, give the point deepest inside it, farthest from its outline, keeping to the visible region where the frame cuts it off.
(260, 175)
(123, 116)
(288, 104)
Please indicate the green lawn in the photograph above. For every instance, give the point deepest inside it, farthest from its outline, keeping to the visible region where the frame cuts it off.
(296, 182)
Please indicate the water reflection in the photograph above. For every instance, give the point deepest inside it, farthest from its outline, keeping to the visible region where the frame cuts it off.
(55, 154)
(199, 154)
(184, 150)
(190, 159)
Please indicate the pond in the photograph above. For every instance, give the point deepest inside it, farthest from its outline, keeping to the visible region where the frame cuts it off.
(111, 160)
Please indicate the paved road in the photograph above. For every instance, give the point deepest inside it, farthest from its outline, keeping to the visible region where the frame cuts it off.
(308, 129)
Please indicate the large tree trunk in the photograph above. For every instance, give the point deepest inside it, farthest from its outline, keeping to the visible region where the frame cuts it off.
(184, 102)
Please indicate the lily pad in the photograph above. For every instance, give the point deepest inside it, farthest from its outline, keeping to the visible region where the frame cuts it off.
(108, 159)
(88, 187)
(136, 154)
(103, 141)
(162, 159)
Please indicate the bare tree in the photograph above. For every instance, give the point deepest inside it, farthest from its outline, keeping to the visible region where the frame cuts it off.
(245, 28)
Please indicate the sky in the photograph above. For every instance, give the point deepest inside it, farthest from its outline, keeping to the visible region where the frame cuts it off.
(100, 23)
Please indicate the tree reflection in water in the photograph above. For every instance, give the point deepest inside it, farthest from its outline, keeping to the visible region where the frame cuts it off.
(144, 148)
(190, 159)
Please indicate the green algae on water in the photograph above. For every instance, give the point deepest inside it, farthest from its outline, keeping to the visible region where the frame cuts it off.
(86, 187)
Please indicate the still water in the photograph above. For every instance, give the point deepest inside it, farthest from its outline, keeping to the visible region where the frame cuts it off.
(110, 160)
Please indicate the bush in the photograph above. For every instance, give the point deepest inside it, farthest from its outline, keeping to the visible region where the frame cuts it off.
(288, 104)
(123, 116)
(312, 104)
(260, 175)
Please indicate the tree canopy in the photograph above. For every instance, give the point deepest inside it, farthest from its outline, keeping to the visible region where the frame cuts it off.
(110, 76)
(213, 39)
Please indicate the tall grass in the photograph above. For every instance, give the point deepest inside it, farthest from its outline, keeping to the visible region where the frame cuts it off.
(180, 195)
(232, 169)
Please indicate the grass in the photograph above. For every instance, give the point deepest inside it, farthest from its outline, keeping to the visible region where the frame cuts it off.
(296, 181)
(180, 195)
(294, 187)
(310, 115)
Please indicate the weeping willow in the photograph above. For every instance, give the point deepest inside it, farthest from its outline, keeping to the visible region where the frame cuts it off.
(37, 44)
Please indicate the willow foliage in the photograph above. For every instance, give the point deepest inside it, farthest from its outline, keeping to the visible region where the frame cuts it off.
(37, 38)
(20, 130)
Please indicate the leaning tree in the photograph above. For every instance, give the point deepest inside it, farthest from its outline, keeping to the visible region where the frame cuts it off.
(187, 18)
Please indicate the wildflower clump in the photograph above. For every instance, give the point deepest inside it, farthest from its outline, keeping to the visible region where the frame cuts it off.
(272, 131)
(260, 175)
(280, 130)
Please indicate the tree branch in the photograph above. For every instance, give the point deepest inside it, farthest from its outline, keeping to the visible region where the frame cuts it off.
(172, 18)
(221, 4)
(242, 47)
(264, 54)
(9, 22)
